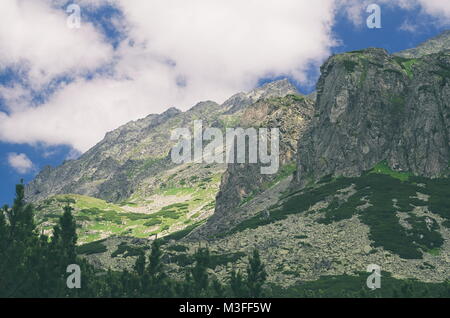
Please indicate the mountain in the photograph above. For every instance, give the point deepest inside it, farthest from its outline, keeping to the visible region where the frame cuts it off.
(117, 186)
(373, 107)
(242, 182)
(363, 179)
(435, 45)
(370, 185)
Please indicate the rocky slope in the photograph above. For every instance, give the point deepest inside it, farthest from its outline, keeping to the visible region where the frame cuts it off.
(128, 185)
(114, 168)
(371, 107)
(435, 45)
(242, 182)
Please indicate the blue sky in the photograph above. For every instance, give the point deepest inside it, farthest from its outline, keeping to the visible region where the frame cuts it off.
(105, 20)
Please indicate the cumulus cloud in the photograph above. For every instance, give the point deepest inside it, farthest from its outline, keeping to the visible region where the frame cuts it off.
(35, 38)
(437, 8)
(20, 162)
(174, 53)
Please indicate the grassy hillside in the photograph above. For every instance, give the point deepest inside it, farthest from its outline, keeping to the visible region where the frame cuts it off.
(172, 207)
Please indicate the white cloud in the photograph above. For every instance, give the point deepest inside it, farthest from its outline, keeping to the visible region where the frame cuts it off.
(20, 162)
(408, 27)
(437, 8)
(215, 48)
(35, 38)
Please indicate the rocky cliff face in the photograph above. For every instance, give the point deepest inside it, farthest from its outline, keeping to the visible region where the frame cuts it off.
(242, 182)
(118, 165)
(373, 107)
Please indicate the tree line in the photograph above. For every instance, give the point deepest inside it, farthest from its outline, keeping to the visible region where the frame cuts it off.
(34, 265)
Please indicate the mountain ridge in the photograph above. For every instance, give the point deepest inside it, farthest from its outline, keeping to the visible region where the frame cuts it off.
(363, 179)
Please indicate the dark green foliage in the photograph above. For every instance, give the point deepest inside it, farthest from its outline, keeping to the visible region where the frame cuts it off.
(183, 259)
(126, 250)
(136, 216)
(357, 52)
(177, 248)
(296, 202)
(338, 211)
(345, 286)
(139, 266)
(424, 233)
(350, 65)
(326, 179)
(65, 200)
(30, 265)
(34, 266)
(182, 233)
(173, 211)
(92, 248)
(224, 259)
(296, 98)
(100, 215)
(439, 191)
(153, 222)
(68, 234)
(238, 285)
(384, 225)
(199, 272)
(256, 276)
(380, 190)
(155, 281)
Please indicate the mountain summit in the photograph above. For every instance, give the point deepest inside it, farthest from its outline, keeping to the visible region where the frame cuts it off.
(434, 45)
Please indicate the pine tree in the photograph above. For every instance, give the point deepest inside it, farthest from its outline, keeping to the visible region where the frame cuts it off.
(256, 275)
(139, 266)
(62, 253)
(237, 284)
(154, 280)
(19, 241)
(184, 289)
(4, 238)
(21, 217)
(218, 288)
(199, 272)
(68, 234)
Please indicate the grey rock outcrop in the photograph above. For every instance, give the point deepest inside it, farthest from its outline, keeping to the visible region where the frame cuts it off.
(371, 107)
(241, 182)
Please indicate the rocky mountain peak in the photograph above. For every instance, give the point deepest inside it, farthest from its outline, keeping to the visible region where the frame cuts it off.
(434, 45)
(278, 88)
(373, 107)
